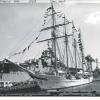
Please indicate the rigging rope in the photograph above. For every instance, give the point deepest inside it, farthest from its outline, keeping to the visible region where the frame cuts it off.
(22, 42)
(27, 48)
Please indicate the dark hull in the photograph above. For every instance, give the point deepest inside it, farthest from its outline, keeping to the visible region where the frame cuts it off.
(26, 89)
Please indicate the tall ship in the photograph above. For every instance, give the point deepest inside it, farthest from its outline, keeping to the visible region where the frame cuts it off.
(62, 64)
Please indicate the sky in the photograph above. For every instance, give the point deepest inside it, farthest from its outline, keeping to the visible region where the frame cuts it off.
(20, 21)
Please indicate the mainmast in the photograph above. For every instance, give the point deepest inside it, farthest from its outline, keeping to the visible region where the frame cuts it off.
(66, 44)
(53, 35)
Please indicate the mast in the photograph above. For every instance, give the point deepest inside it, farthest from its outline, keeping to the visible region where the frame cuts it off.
(50, 52)
(81, 49)
(53, 35)
(75, 48)
(66, 44)
(75, 54)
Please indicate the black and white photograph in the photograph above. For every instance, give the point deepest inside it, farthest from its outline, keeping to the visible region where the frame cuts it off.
(50, 48)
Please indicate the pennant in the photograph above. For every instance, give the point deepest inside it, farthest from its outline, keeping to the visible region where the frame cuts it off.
(44, 23)
(29, 46)
(44, 20)
(24, 50)
(46, 15)
(36, 38)
(60, 15)
(14, 54)
(73, 26)
(48, 9)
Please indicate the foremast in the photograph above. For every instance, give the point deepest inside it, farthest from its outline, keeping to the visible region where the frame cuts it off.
(53, 35)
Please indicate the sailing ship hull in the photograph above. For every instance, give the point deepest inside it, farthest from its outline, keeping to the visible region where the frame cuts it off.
(19, 89)
(96, 78)
(54, 82)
